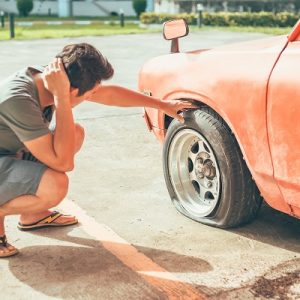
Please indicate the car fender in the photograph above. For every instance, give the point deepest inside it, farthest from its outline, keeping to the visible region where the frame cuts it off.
(233, 81)
(266, 182)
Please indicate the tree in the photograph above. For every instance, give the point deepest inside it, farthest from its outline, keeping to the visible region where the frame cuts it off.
(24, 7)
(139, 6)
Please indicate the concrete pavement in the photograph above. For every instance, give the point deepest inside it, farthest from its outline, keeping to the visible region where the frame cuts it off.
(119, 194)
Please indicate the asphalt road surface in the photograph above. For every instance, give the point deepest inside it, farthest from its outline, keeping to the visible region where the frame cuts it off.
(131, 243)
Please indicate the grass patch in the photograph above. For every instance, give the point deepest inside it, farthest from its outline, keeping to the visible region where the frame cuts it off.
(72, 30)
(61, 31)
(32, 18)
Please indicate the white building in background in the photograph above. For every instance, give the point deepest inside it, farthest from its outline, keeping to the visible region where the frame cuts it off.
(66, 8)
(103, 8)
(165, 6)
(179, 6)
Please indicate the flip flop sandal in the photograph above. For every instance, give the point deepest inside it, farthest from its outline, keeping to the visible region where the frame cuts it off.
(46, 222)
(3, 243)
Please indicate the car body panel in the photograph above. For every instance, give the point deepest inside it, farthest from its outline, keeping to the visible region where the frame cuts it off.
(295, 33)
(232, 80)
(284, 122)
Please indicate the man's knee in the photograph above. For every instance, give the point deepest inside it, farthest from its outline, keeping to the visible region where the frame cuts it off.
(53, 187)
(80, 135)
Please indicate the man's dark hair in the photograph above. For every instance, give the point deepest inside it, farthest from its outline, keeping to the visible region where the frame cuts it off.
(85, 66)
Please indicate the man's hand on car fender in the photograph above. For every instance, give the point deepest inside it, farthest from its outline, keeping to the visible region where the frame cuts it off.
(173, 107)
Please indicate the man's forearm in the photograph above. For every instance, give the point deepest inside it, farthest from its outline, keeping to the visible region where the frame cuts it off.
(64, 136)
(119, 96)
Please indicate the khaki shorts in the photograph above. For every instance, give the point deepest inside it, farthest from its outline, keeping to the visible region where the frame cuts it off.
(19, 177)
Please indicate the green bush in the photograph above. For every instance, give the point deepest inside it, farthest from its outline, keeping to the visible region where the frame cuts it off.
(218, 19)
(286, 19)
(24, 7)
(139, 6)
(264, 19)
(153, 18)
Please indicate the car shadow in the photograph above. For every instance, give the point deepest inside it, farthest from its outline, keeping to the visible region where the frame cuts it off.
(274, 228)
(84, 269)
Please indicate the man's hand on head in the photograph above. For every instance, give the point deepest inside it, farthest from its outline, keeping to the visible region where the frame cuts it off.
(56, 81)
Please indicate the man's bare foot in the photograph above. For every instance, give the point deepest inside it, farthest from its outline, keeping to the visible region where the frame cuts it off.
(32, 218)
(6, 249)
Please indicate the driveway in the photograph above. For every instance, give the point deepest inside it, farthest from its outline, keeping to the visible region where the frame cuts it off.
(132, 243)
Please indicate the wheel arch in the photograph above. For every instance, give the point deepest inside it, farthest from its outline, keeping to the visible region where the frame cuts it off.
(204, 101)
(201, 100)
(167, 119)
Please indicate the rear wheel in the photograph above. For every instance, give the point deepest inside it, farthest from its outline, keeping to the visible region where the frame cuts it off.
(205, 173)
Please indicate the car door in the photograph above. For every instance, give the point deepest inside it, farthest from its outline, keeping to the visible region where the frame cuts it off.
(283, 121)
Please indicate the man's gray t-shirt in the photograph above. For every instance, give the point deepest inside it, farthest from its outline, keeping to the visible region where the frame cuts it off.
(21, 116)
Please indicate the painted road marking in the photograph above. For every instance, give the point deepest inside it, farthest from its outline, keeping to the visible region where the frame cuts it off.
(157, 276)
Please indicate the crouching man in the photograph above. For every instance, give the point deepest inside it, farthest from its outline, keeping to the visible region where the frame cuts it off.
(34, 160)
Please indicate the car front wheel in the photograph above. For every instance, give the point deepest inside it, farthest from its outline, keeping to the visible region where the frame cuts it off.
(205, 173)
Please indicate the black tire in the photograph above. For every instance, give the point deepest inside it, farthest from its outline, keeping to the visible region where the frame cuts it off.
(239, 199)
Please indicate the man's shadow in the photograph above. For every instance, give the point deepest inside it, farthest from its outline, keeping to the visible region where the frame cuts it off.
(88, 271)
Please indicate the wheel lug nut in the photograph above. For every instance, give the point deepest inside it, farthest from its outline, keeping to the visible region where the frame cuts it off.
(201, 175)
(209, 184)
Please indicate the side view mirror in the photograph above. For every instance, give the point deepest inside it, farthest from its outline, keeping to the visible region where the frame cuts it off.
(173, 30)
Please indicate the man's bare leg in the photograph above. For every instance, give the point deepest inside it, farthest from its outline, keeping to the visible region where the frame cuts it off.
(51, 191)
(33, 217)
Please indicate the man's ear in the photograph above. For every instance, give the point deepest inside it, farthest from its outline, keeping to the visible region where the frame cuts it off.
(74, 91)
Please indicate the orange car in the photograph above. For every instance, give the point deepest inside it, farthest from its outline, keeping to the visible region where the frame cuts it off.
(243, 143)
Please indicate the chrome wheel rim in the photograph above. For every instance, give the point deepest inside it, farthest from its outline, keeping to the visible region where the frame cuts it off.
(194, 173)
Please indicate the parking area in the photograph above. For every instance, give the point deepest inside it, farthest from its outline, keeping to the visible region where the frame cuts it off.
(131, 243)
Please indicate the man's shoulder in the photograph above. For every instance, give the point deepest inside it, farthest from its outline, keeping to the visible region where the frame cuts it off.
(36, 68)
(20, 85)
